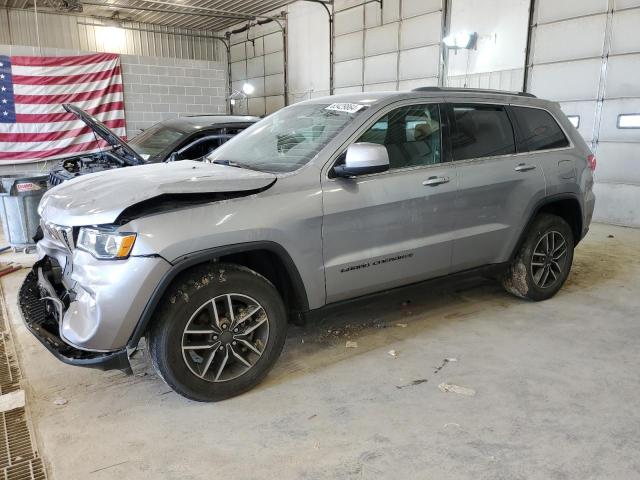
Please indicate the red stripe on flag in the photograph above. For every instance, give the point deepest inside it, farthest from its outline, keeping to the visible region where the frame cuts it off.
(65, 117)
(39, 155)
(62, 61)
(66, 98)
(65, 79)
(53, 136)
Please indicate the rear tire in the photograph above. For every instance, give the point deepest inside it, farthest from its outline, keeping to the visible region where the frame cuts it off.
(207, 352)
(544, 260)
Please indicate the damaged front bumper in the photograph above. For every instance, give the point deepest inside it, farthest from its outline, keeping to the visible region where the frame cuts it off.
(42, 310)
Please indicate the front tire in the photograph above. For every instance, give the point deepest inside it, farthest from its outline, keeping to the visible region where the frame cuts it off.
(544, 260)
(218, 332)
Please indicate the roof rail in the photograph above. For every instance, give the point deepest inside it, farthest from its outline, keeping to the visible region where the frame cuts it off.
(472, 90)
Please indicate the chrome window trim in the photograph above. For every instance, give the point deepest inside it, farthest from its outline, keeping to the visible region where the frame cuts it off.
(497, 157)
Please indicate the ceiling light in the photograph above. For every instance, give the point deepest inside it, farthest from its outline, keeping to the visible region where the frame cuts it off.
(248, 89)
(466, 40)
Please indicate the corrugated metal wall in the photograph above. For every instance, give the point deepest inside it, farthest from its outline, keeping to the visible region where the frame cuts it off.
(17, 27)
(585, 54)
(393, 48)
(498, 80)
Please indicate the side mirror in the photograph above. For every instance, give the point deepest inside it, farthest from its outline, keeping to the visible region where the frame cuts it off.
(362, 159)
(173, 157)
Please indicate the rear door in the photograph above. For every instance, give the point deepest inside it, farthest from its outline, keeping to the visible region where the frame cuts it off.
(498, 185)
(392, 228)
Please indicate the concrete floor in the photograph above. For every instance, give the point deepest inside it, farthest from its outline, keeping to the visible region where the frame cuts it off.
(556, 388)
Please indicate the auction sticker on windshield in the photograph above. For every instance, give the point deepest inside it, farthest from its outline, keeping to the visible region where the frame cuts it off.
(345, 107)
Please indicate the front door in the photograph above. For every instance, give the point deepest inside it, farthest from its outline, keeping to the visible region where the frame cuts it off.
(393, 228)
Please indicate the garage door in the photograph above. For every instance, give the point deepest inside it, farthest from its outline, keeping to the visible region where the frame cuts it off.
(391, 45)
(586, 55)
(257, 57)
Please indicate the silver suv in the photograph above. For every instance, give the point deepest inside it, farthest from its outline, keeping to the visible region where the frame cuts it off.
(321, 202)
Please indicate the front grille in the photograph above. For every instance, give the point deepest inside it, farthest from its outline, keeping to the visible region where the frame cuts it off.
(59, 234)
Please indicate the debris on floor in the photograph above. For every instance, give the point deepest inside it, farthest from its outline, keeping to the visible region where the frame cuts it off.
(401, 325)
(351, 344)
(11, 400)
(452, 424)
(449, 387)
(393, 353)
(60, 401)
(6, 269)
(444, 362)
(611, 236)
(412, 384)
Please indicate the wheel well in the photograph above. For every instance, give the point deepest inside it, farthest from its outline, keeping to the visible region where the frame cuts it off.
(569, 210)
(269, 264)
(268, 259)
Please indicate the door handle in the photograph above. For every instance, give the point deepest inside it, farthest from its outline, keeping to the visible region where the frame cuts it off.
(523, 167)
(434, 181)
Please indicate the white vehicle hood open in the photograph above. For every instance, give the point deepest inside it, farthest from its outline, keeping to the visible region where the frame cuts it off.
(99, 198)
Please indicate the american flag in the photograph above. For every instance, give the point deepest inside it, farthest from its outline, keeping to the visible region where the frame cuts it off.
(33, 124)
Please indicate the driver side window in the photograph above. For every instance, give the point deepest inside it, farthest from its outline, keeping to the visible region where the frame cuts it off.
(411, 135)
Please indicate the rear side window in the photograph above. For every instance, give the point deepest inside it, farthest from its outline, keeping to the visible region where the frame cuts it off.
(481, 131)
(539, 130)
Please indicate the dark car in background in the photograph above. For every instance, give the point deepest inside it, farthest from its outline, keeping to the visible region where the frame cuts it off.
(183, 138)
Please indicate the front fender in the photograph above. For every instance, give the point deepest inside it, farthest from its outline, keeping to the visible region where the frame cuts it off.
(203, 256)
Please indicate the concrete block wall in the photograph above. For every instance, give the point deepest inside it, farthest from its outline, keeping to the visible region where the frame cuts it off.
(157, 89)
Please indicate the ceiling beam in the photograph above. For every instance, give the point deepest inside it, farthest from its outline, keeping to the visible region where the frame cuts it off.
(119, 6)
(208, 9)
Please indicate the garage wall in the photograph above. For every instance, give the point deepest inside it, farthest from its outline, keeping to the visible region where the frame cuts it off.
(158, 88)
(586, 55)
(393, 48)
(257, 57)
(498, 60)
(17, 27)
(309, 39)
(396, 47)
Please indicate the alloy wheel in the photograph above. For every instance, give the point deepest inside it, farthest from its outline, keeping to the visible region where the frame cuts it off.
(549, 259)
(225, 337)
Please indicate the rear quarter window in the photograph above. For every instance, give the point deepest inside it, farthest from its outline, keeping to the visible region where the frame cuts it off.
(538, 130)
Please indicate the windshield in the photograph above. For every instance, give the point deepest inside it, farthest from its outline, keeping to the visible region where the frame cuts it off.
(154, 140)
(288, 139)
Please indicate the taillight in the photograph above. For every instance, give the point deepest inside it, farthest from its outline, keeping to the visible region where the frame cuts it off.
(591, 162)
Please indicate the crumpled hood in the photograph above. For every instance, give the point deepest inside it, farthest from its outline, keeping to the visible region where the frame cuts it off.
(99, 198)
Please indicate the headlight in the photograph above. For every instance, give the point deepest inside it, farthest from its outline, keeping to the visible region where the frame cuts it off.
(104, 244)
